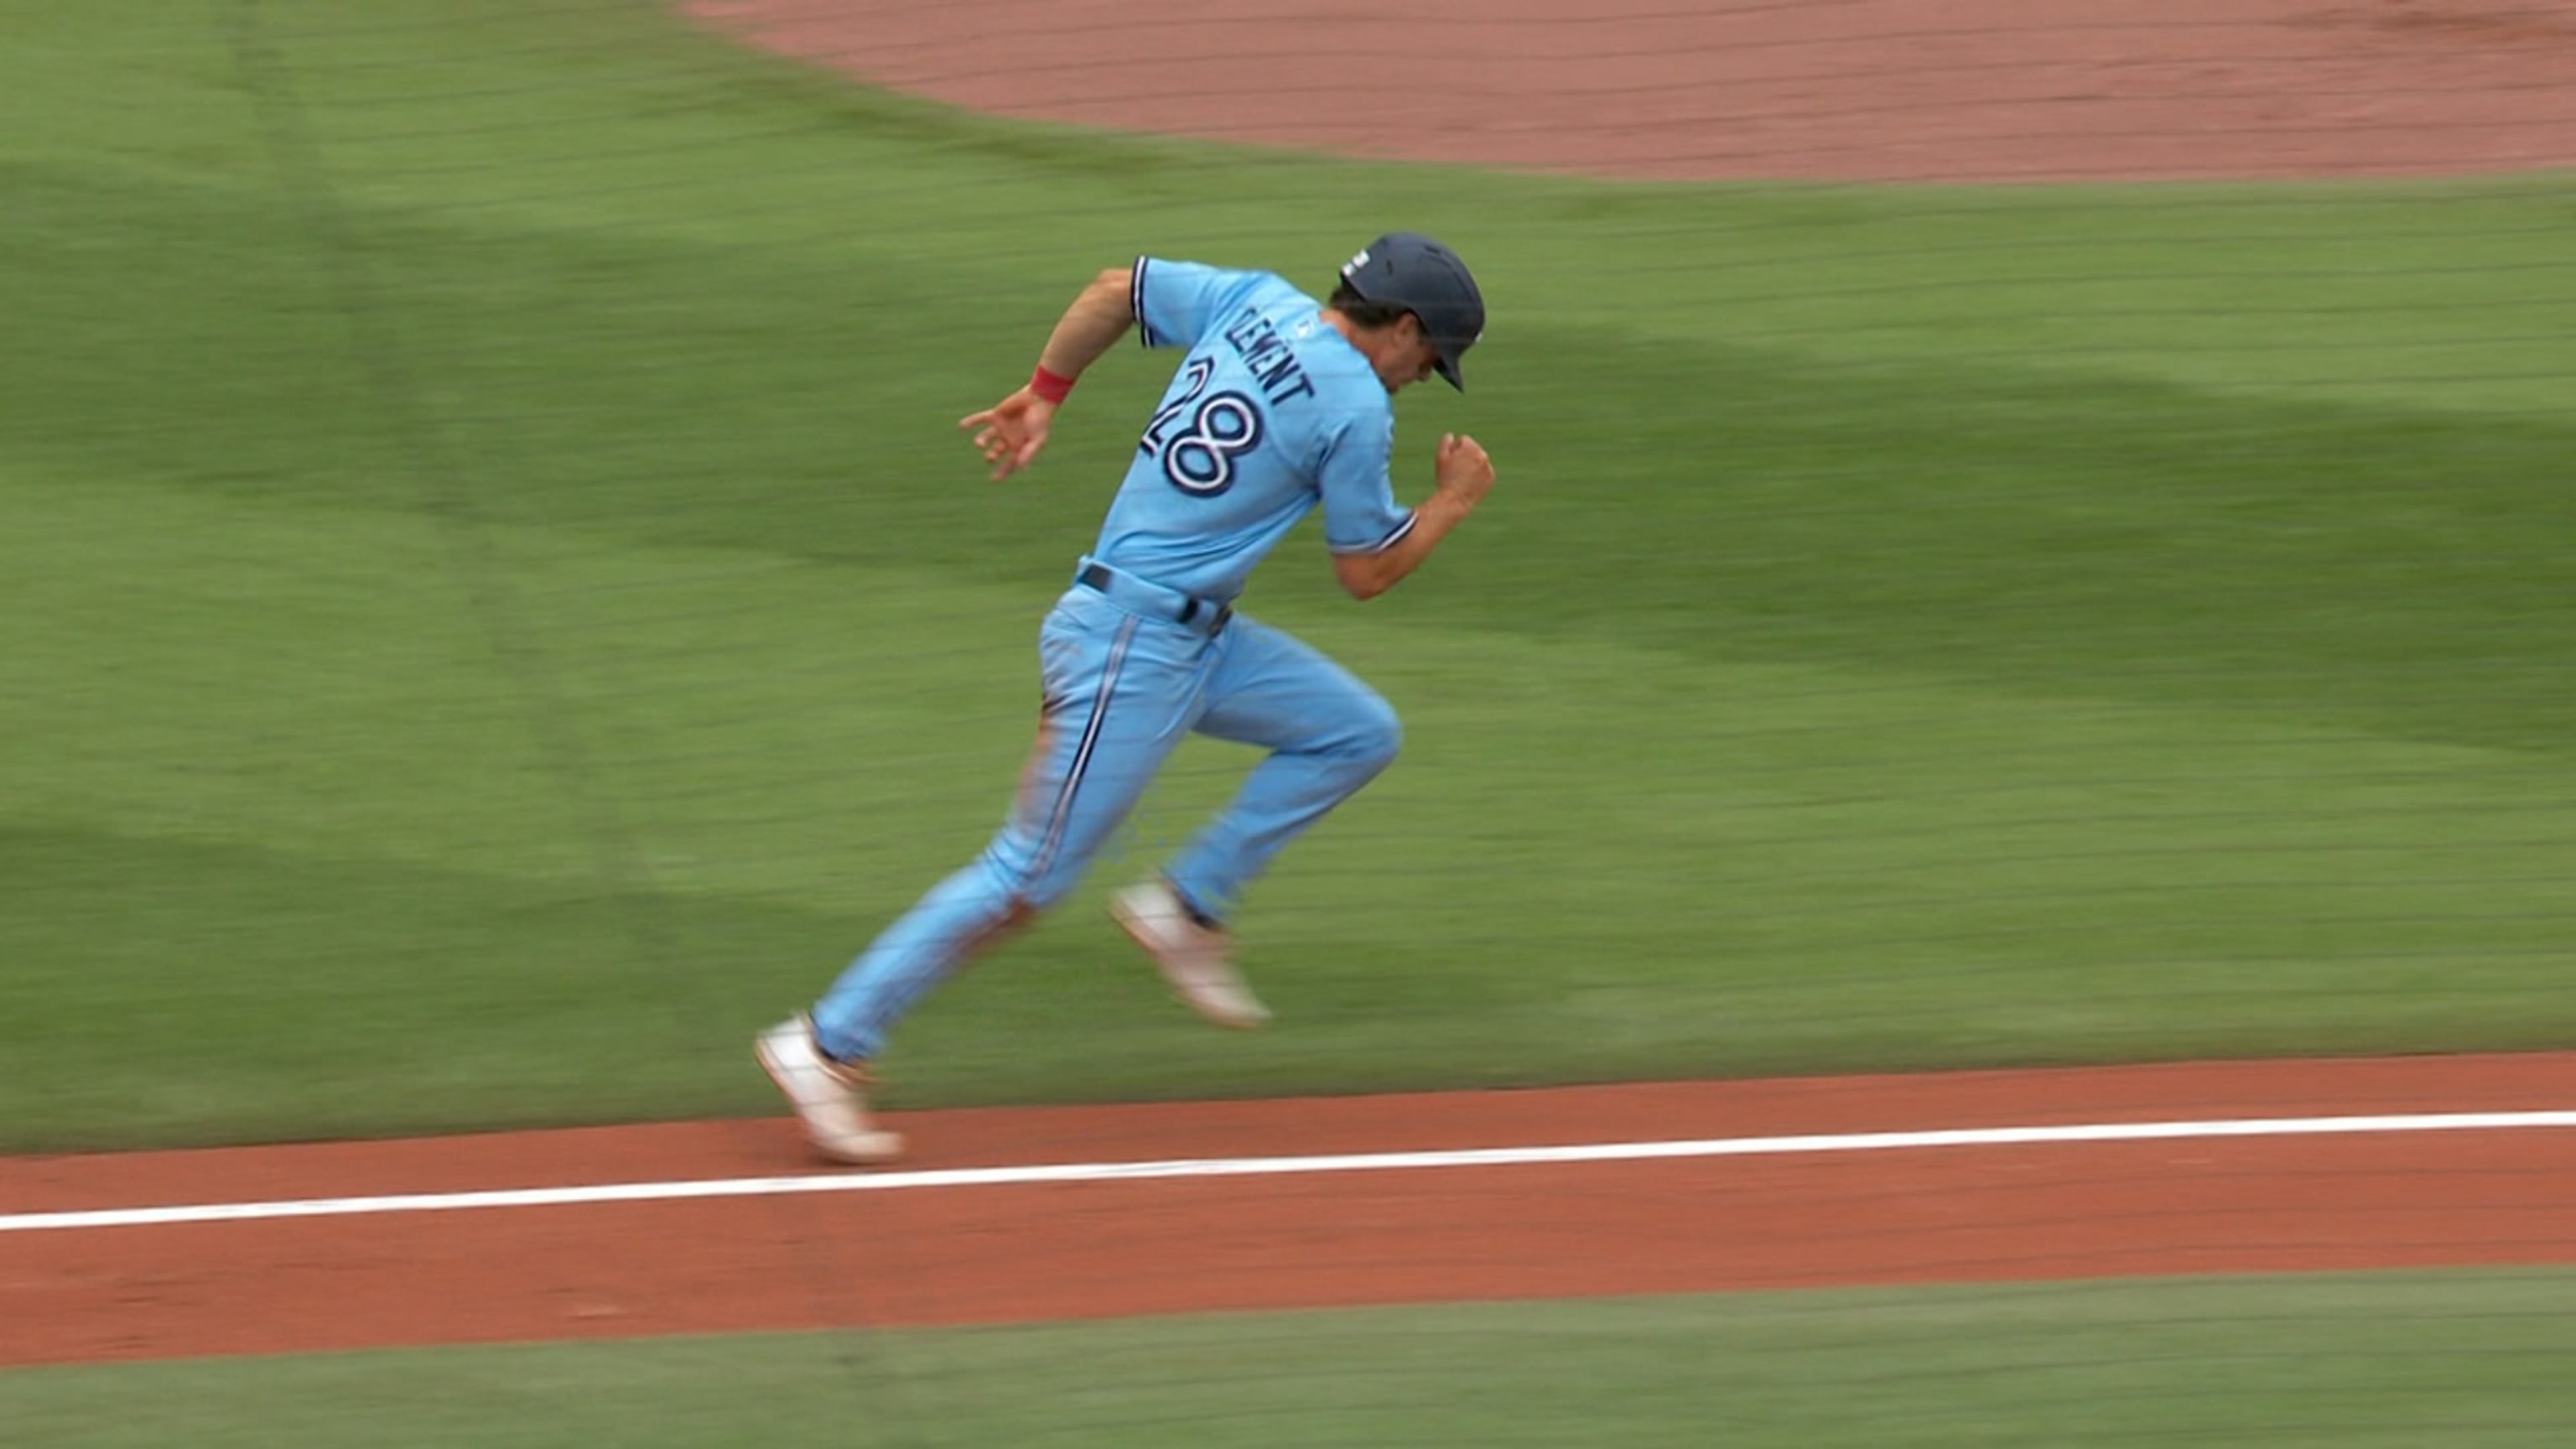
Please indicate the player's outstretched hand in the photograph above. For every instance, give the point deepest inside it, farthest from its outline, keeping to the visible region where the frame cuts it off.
(1011, 432)
(1462, 470)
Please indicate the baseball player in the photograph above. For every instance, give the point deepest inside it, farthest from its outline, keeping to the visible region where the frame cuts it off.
(1279, 405)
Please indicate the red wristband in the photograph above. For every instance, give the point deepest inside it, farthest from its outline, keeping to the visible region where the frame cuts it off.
(1051, 386)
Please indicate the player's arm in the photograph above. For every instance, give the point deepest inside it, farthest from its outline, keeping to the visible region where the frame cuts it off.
(1092, 325)
(1011, 432)
(1463, 476)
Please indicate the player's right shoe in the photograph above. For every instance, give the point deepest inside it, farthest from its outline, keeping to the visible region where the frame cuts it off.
(1197, 961)
(829, 1096)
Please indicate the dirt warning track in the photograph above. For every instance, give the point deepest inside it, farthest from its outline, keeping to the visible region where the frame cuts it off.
(1852, 90)
(1068, 1213)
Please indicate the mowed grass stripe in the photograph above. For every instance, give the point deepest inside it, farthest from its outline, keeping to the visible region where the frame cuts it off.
(1915, 628)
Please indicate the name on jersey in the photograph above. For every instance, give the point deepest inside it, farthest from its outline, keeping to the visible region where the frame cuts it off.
(1268, 357)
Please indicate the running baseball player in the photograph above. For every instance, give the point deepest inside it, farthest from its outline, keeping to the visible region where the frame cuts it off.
(1279, 405)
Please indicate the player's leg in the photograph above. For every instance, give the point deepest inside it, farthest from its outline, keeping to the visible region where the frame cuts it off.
(1118, 692)
(1328, 734)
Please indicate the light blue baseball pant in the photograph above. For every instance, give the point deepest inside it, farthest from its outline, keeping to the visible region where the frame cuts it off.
(1123, 684)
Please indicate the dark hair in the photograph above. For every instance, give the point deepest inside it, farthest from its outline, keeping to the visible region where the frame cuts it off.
(1367, 314)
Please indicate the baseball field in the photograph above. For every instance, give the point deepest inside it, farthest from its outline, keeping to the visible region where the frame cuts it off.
(1986, 845)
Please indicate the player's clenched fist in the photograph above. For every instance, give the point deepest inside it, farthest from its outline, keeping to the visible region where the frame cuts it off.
(1463, 471)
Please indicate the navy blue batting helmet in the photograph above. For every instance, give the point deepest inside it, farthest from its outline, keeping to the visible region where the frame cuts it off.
(1409, 270)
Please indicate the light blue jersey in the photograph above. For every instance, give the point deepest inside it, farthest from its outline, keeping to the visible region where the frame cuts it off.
(1271, 413)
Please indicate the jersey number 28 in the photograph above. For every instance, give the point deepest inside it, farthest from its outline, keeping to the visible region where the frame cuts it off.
(1198, 438)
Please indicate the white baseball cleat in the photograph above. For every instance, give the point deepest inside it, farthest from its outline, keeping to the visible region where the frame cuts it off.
(829, 1096)
(1196, 961)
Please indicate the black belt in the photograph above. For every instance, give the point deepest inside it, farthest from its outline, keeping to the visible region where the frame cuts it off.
(1143, 596)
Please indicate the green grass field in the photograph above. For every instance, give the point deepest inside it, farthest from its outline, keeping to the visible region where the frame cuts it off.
(499, 610)
(502, 609)
(2469, 1360)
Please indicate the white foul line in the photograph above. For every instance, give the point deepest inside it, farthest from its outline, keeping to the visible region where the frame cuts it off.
(1216, 1167)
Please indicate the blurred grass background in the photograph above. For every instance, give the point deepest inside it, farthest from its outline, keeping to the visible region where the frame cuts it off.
(2302, 1363)
(500, 610)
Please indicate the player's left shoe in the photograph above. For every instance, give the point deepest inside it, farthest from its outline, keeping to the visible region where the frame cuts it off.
(829, 1096)
(1197, 961)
